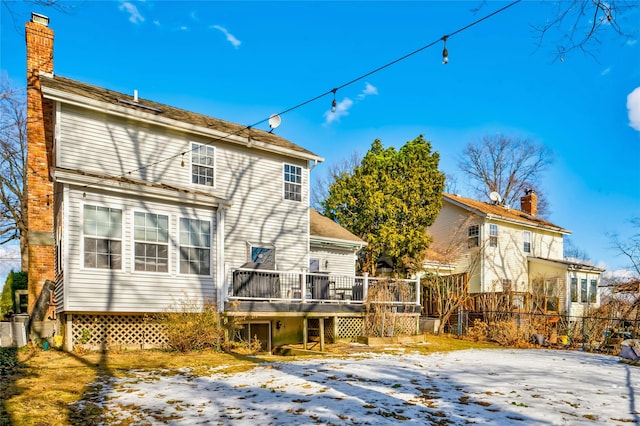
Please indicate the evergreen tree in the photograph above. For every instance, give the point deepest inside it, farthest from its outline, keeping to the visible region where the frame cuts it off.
(389, 200)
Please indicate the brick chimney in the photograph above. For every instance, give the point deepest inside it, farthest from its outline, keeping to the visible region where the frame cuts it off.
(529, 202)
(40, 240)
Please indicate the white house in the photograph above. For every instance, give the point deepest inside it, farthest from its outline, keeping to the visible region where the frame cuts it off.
(512, 251)
(136, 207)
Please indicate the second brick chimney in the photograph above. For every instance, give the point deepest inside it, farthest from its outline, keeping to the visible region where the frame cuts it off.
(39, 211)
(529, 202)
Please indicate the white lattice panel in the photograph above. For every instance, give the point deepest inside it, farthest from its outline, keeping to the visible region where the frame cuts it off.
(348, 327)
(116, 330)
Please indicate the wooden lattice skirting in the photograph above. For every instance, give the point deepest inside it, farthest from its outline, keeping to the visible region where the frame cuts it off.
(116, 331)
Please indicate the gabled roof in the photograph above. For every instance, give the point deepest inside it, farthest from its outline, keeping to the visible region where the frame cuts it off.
(323, 229)
(496, 211)
(57, 87)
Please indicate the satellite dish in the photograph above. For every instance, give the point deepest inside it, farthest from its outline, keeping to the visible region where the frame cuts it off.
(274, 121)
(495, 197)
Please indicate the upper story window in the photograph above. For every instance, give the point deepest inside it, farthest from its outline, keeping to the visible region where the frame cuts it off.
(574, 289)
(195, 246)
(493, 235)
(292, 182)
(151, 242)
(527, 241)
(593, 290)
(473, 236)
(202, 164)
(102, 232)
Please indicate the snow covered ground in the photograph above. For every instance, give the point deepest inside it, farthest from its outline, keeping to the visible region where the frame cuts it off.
(498, 387)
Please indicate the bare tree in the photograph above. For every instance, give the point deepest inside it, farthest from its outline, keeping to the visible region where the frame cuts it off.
(13, 160)
(506, 165)
(630, 248)
(582, 24)
(322, 182)
(574, 253)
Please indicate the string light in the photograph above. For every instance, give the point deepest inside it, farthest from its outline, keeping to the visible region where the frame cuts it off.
(445, 52)
(445, 59)
(333, 103)
(182, 162)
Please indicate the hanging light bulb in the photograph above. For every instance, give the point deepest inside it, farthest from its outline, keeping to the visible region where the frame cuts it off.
(182, 162)
(445, 52)
(334, 104)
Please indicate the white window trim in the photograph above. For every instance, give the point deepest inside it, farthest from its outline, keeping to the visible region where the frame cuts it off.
(122, 233)
(215, 164)
(132, 257)
(211, 245)
(284, 182)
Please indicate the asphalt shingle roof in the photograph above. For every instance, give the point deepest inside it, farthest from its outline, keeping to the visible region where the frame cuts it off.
(116, 98)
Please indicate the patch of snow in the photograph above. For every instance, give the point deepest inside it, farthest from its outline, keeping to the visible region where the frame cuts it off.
(503, 387)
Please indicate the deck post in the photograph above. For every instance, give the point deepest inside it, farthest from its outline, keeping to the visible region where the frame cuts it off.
(418, 291)
(303, 287)
(305, 333)
(365, 286)
(321, 322)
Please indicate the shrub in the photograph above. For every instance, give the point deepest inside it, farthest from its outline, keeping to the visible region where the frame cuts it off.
(192, 327)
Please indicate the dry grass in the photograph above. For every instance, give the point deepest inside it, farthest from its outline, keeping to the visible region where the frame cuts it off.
(41, 387)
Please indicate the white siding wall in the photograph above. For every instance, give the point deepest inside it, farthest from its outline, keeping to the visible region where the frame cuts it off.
(450, 236)
(126, 290)
(250, 178)
(334, 261)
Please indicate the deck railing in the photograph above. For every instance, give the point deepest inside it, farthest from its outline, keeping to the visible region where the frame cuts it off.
(305, 287)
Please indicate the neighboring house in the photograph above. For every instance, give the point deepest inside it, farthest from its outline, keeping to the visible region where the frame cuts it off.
(136, 207)
(512, 252)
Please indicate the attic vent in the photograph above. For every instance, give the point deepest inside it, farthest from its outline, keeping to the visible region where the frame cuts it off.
(136, 104)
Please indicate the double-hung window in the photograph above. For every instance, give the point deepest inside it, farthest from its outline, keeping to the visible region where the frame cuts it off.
(202, 164)
(151, 242)
(473, 234)
(493, 235)
(195, 246)
(292, 182)
(102, 232)
(527, 241)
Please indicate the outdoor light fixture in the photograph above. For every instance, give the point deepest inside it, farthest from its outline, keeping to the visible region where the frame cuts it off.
(334, 104)
(278, 325)
(39, 19)
(445, 52)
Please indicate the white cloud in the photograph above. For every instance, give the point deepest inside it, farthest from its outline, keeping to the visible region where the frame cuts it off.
(342, 109)
(184, 28)
(230, 37)
(369, 89)
(9, 260)
(156, 23)
(633, 106)
(605, 71)
(631, 42)
(134, 15)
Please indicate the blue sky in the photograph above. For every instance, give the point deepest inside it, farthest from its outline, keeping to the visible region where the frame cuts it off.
(242, 61)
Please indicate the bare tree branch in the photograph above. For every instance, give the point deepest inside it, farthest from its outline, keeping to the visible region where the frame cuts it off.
(506, 165)
(581, 24)
(13, 160)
